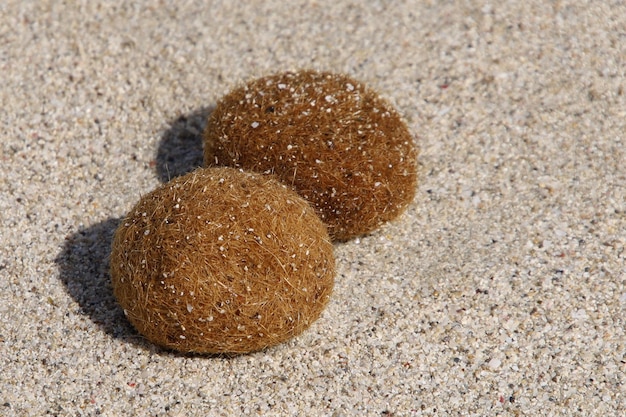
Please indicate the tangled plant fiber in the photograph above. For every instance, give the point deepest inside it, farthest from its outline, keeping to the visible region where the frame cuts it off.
(222, 261)
(337, 143)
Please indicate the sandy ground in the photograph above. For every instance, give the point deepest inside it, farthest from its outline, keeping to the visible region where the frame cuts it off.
(501, 291)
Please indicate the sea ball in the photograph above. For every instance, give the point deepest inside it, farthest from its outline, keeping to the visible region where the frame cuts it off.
(222, 261)
(336, 142)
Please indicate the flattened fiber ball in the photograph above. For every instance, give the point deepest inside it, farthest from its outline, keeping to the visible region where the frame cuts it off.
(222, 261)
(337, 143)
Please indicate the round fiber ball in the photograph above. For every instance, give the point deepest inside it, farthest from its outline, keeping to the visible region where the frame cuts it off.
(337, 143)
(222, 261)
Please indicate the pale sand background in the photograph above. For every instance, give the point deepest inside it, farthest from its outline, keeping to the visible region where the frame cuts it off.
(502, 290)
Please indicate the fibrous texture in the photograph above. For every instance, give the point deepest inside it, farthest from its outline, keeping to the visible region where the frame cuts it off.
(337, 143)
(222, 261)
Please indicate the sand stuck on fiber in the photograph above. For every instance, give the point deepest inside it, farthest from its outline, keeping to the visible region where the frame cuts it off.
(222, 261)
(337, 143)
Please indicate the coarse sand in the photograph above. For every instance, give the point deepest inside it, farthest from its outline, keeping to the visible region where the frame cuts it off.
(501, 290)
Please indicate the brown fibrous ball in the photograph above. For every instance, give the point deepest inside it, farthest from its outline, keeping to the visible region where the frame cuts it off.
(222, 261)
(337, 143)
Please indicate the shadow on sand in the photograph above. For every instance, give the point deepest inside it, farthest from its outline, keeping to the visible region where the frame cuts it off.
(180, 149)
(84, 260)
